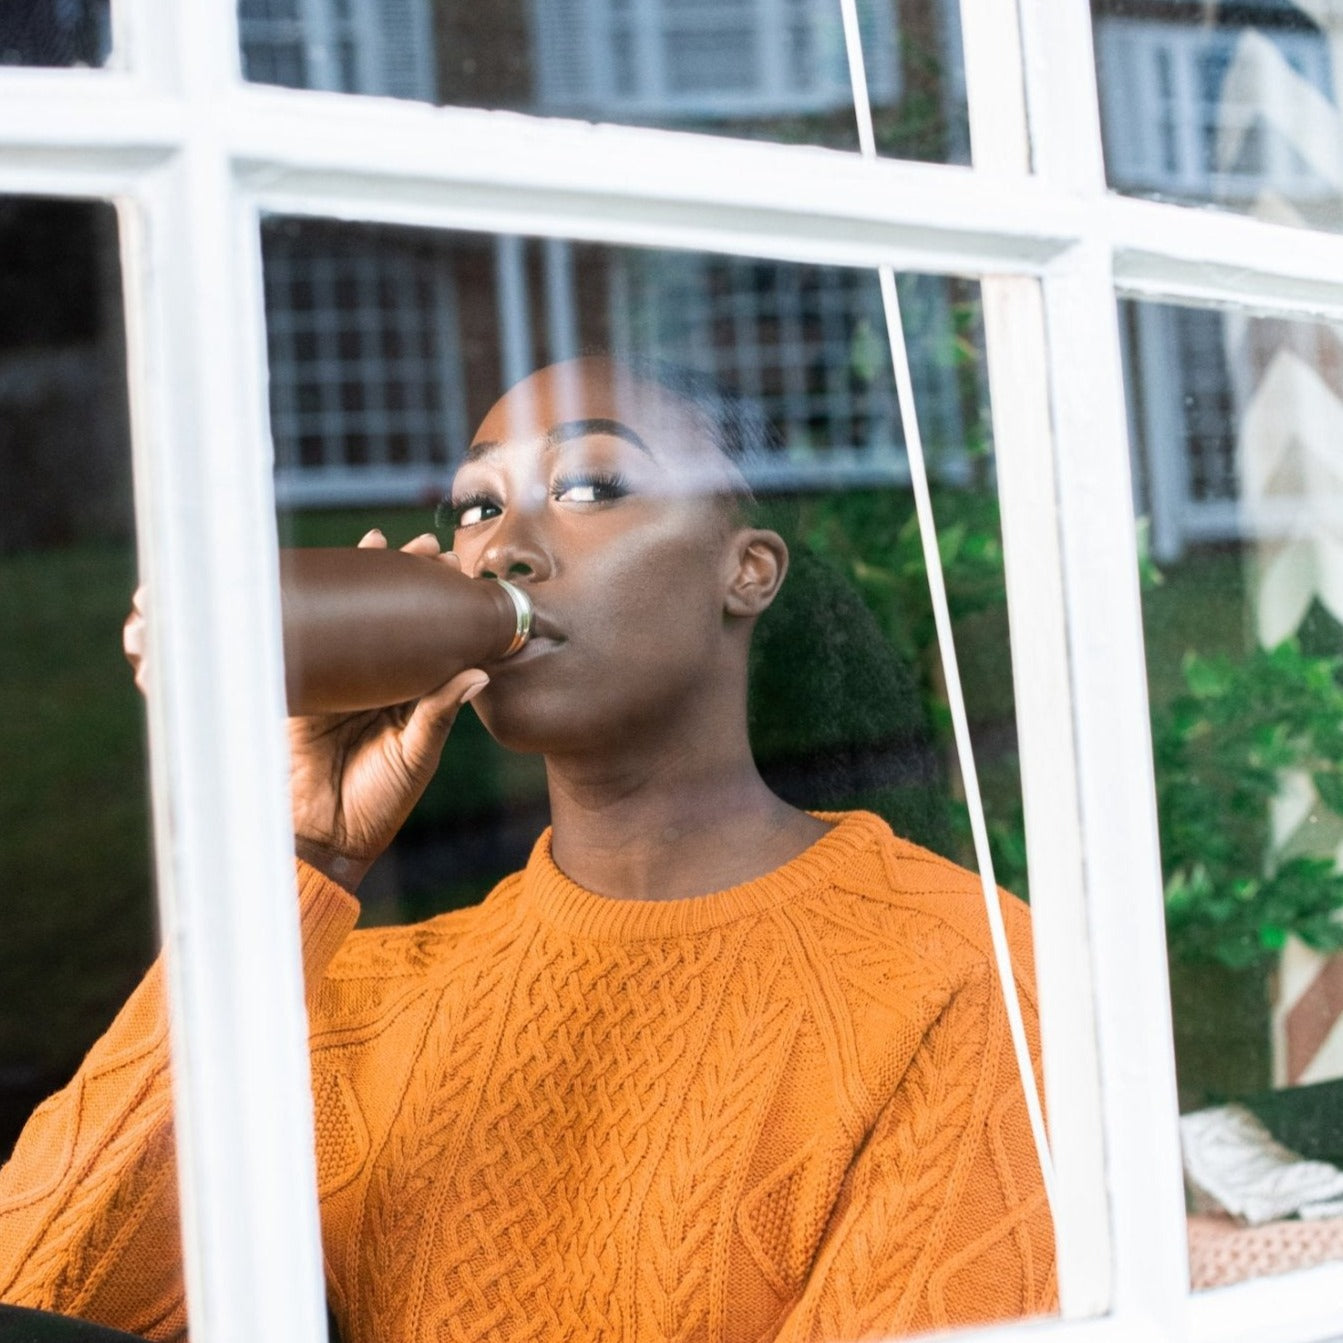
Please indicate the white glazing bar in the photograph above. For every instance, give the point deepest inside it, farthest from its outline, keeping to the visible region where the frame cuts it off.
(1125, 908)
(1173, 253)
(995, 95)
(1295, 1308)
(1120, 854)
(1024, 460)
(72, 117)
(1062, 106)
(405, 162)
(244, 1134)
(1018, 360)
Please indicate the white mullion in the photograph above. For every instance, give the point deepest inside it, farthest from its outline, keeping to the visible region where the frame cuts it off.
(1125, 908)
(225, 874)
(1019, 364)
(1063, 106)
(1024, 457)
(206, 532)
(995, 96)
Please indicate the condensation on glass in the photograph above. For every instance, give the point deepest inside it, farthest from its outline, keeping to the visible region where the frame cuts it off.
(759, 69)
(55, 32)
(387, 347)
(76, 922)
(1229, 104)
(1239, 485)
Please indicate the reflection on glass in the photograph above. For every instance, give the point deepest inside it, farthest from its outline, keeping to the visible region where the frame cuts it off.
(388, 346)
(55, 32)
(389, 351)
(761, 69)
(1226, 103)
(76, 920)
(1241, 487)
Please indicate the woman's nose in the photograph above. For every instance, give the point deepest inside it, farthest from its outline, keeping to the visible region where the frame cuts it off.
(516, 550)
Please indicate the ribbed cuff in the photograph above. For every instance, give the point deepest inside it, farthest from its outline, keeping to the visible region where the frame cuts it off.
(326, 915)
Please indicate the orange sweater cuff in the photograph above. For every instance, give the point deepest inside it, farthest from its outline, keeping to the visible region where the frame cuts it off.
(327, 913)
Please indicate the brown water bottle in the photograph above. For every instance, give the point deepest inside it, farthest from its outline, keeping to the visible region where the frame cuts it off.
(366, 628)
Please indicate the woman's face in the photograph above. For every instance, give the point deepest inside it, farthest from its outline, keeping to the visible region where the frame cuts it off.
(602, 495)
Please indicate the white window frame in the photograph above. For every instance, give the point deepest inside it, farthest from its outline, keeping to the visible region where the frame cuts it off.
(192, 156)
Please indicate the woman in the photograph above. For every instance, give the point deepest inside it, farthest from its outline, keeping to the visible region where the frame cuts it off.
(709, 1066)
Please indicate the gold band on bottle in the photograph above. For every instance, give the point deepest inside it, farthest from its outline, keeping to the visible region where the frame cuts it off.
(522, 607)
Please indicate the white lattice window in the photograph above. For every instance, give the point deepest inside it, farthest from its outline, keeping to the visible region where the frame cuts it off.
(800, 344)
(1184, 107)
(351, 46)
(694, 58)
(365, 370)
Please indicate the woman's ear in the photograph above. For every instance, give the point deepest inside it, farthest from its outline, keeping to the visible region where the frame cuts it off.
(760, 563)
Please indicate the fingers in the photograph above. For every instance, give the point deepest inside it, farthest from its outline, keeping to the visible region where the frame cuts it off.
(133, 640)
(424, 544)
(431, 720)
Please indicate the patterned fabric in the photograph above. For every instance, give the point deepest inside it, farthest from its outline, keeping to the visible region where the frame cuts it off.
(1223, 1251)
(789, 1110)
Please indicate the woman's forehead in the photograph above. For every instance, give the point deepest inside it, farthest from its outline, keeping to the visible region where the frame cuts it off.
(595, 395)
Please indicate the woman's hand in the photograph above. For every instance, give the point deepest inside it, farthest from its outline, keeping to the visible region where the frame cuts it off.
(354, 778)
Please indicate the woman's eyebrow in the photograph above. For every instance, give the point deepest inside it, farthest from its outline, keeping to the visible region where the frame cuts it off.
(562, 433)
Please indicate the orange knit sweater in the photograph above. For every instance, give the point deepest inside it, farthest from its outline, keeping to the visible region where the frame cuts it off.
(789, 1110)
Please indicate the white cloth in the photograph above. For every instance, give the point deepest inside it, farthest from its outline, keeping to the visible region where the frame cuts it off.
(1232, 1163)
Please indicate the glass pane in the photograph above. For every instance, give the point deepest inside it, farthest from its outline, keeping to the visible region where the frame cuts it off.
(91, 1180)
(759, 69)
(629, 967)
(1224, 103)
(1238, 482)
(55, 32)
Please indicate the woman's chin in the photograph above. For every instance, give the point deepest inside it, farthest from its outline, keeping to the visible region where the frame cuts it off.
(527, 725)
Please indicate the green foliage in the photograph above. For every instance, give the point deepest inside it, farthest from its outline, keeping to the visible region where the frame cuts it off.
(874, 538)
(1222, 749)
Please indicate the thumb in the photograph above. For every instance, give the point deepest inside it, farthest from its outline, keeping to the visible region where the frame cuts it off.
(432, 718)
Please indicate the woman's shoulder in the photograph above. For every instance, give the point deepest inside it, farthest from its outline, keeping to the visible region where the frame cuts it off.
(895, 893)
(378, 967)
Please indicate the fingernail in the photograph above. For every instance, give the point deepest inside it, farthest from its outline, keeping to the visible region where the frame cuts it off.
(372, 531)
(474, 689)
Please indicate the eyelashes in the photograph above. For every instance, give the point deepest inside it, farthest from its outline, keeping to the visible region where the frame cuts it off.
(454, 514)
(600, 486)
(580, 487)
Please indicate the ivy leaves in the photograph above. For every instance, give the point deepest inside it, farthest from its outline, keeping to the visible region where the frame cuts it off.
(1225, 750)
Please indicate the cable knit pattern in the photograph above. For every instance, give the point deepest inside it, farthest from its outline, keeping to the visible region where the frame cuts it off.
(789, 1111)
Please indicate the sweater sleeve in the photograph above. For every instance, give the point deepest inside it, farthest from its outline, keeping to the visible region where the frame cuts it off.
(942, 1219)
(88, 1201)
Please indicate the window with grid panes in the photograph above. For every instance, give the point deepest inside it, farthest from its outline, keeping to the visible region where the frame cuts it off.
(1234, 119)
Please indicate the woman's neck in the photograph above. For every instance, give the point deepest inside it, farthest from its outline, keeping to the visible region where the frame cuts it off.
(685, 823)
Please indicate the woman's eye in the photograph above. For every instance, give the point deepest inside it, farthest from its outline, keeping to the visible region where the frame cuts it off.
(589, 489)
(469, 512)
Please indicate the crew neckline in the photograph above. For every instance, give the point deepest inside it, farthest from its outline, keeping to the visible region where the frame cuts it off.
(565, 905)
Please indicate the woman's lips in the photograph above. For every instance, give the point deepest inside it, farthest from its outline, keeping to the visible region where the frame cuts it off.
(537, 646)
(545, 638)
